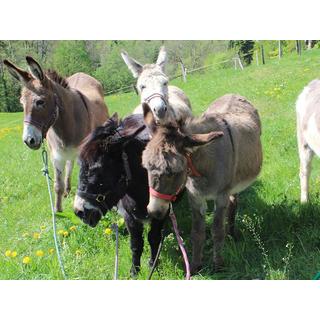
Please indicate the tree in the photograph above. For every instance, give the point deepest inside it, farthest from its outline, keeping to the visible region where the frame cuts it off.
(70, 57)
(244, 49)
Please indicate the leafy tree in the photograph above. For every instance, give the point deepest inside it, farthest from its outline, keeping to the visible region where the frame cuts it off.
(244, 49)
(70, 57)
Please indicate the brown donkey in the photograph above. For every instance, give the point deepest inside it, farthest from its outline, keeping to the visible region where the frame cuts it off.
(64, 111)
(179, 157)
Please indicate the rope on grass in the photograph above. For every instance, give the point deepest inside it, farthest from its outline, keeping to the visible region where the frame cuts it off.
(116, 259)
(45, 171)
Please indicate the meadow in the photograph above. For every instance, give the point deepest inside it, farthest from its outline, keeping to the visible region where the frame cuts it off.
(277, 237)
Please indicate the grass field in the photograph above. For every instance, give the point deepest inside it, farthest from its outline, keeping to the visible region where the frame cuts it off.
(278, 238)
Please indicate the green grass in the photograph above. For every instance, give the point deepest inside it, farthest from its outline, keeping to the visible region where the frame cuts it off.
(278, 238)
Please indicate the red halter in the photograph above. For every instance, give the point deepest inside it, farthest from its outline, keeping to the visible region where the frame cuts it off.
(192, 171)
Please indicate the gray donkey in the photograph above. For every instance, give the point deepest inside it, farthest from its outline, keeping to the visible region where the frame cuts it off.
(166, 102)
(183, 156)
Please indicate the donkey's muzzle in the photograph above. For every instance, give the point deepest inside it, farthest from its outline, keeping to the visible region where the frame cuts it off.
(32, 143)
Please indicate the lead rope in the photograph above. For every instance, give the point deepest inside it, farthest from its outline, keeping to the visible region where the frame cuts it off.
(45, 171)
(180, 242)
(116, 259)
(157, 256)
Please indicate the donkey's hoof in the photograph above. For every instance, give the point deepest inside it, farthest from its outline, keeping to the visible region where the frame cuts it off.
(218, 265)
(58, 209)
(134, 271)
(151, 262)
(195, 268)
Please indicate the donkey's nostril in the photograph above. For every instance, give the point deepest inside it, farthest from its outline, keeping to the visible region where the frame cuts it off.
(32, 141)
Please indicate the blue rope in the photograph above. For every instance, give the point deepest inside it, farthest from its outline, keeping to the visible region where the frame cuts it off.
(45, 172)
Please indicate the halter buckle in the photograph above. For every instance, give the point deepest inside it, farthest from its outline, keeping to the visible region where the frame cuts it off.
(100, 197)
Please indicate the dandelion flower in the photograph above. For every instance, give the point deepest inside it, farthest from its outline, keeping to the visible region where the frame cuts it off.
(108, 231)
(42, 228)
(39, 253)
(78, 252)
(51, 250)
(13, 254)
(60, 231)
(73, 228)
(7, 253)
(36, 235)
(26, 260)
(65, 233)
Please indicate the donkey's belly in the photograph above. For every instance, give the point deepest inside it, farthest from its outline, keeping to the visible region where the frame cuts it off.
(242, 186)
(63, 155)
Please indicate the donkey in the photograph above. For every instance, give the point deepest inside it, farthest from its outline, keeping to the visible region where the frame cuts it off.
(166, 102)
(308, 132)
(116, 149)
(63, 111)
(183, 155)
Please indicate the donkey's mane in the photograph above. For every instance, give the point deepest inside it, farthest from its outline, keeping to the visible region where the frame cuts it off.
(97, 141)
(54, 76)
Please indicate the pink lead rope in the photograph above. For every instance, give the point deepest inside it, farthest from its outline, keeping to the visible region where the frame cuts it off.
(180, 242)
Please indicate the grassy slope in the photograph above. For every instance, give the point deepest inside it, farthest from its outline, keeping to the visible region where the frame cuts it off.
(270, 219)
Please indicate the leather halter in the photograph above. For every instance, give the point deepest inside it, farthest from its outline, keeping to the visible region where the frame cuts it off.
(156, 95)
(191, 171)
(44, 127)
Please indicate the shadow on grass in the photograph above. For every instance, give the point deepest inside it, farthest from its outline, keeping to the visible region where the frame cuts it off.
(278, 225)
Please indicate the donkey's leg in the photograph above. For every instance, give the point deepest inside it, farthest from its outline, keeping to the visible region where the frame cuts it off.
(218, 230)
(305, 155)
(198, 231)
(59, 165)
(154, 238)
(135, 229)
(232, 211)
(67, 181)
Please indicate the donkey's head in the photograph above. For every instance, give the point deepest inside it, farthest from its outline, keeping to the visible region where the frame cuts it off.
(165, 158)
(152, 83)
(40, 103)
(103, 178)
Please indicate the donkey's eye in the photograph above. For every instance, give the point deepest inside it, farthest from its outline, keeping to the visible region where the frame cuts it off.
(142, 87)
(165, 83)
(39, 103)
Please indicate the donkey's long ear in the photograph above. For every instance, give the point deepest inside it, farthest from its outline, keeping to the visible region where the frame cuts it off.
(162, 58)
(197, 140)
(134, 66)
(35, 69)
(149, 118)
(19, 74)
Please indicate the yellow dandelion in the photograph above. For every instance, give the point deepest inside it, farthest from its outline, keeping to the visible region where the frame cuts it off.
(51, 251)
(65, 233)
(108, 231)
(36, 235)
(26, 260)
(42, 228)
(39, 253)
(73, 228)
(13, 254)
(78, 252)
(60, 231)
(7, 253)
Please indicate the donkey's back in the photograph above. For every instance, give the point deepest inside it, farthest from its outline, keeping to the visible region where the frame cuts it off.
(92, 92)
(241, 146)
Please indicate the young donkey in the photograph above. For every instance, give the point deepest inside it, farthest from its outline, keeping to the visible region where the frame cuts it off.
(308, 132)
(216, 170)
(62, 110)
(116, 148)
(166, 102)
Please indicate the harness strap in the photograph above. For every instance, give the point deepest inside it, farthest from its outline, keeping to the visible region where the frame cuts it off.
(229, 131)
(192, 171)
(156, 95)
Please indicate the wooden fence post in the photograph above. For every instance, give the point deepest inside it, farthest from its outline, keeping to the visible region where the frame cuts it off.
(183, 71)
(262, 54)
(280, 49)
(257, 58)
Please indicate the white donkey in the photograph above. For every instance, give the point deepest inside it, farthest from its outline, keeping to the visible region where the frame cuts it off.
(308, 132)
(166, 102)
